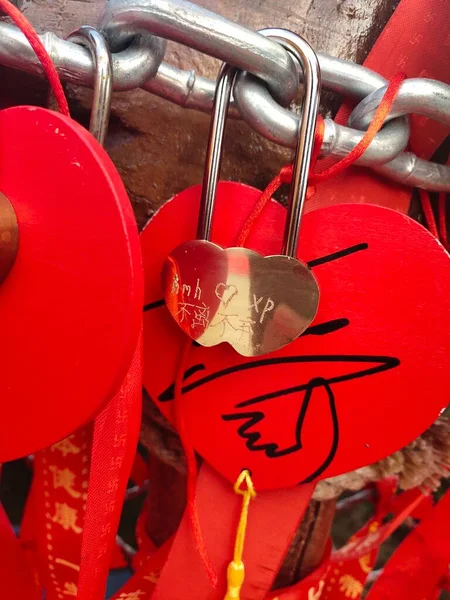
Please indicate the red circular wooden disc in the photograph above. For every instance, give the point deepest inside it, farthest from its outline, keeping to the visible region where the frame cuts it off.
(70, 307)
(370, 374)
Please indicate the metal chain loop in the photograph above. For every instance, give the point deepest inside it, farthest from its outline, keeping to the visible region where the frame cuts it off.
(274, 122)
(385, 153)
(425, 97)
(409, 169)
(192, 25)
(132, 66)
(131, 27)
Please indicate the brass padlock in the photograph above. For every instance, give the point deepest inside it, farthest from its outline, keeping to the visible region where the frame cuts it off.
(275, 297)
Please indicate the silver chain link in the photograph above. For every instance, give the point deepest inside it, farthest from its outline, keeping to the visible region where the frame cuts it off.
(132, 67)
(271, 120)
(137, 31)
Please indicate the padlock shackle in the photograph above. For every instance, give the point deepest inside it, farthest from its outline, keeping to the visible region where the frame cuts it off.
(214, 151)
(103, 83)
(308, 61)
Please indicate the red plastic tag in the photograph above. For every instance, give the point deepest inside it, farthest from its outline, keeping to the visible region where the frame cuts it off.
(218, 510)
(70, 307)
(331, 401)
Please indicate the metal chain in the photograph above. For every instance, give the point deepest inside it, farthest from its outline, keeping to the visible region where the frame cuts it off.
(186, 23)
(205, 31)
(271, 120)
(132, 67)
(270, 83)
(260, 110)
(417, 96)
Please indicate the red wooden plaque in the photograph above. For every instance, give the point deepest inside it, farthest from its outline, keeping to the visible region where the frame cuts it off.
(367, 377)
(70, 306)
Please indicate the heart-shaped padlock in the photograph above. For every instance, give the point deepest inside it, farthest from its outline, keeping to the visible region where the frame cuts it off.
(257, 304)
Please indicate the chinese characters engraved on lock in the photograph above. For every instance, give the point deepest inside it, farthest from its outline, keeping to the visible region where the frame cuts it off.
(257, 304)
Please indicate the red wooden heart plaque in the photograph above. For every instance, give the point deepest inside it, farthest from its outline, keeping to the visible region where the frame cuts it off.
(370, 374)
(70, 306)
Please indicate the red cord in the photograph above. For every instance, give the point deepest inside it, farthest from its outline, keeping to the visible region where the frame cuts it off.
(285, 174)
(191, 463)
(439, 229)
(27, 29)
(442, 215)
(428, 212)
(258, 208)
(377, 123)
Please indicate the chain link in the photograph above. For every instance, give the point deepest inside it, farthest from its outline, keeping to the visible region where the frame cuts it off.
(274, 122)
(132, 66)
(425, 97)
(385, 153)
(205, 31)
(137, 31)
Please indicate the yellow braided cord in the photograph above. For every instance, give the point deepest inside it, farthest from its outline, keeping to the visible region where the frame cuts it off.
(236, 571)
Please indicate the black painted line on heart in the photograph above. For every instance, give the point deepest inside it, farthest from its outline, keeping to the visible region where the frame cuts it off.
(384, 363)
(311, 264)
(335, 443)
(327, 327)
(272, 449)
(153, 305)
(253, 418)
(321, 329)
(336, 255)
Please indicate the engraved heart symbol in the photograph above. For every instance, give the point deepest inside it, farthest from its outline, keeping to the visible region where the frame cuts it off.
(226, 293)
(257, 304)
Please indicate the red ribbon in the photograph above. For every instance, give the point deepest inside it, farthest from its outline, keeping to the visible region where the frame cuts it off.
(419, 566)
(116, 434)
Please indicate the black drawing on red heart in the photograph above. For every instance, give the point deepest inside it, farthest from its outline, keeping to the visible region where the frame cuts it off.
(358, 367)
(250, 414)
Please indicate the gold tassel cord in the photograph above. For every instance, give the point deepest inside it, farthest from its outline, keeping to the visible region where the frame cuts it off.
(236, 570)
